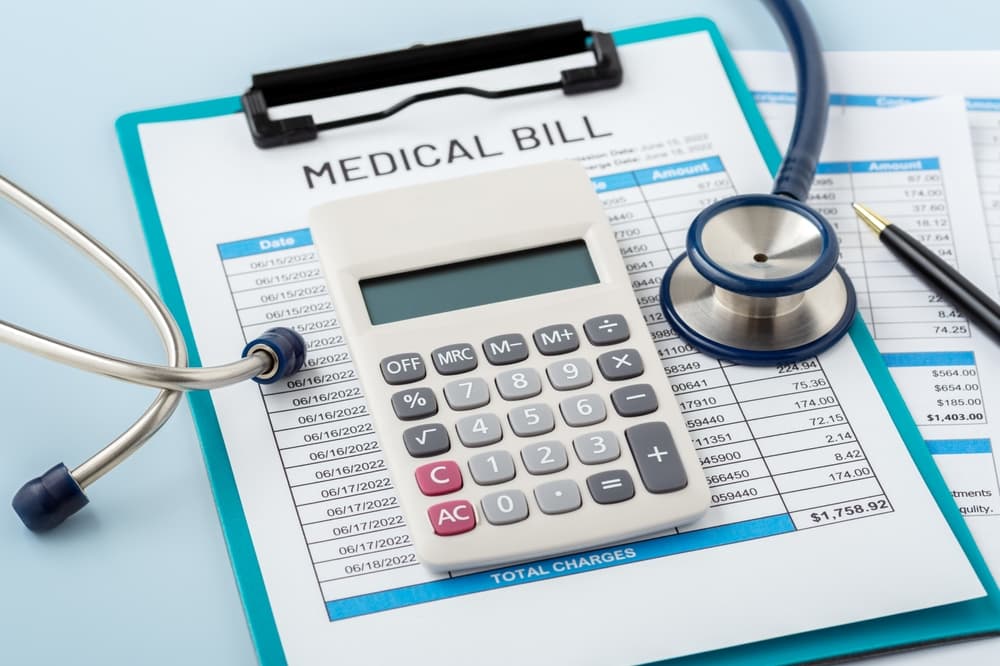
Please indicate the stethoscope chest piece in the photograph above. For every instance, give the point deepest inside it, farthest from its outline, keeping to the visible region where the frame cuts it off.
(759, 283)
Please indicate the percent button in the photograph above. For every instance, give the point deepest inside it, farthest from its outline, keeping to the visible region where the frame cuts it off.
(415, 403)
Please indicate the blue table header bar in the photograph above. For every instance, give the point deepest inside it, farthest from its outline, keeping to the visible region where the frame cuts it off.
(939, 447)
(667, 172)
(265, 244)
(927, 359)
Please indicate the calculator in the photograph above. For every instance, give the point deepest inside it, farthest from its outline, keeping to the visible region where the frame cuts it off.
(520, 403)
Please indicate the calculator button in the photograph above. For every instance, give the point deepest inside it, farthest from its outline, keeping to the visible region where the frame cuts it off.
(506, 349)
(583, 410)
(606, 330)
(620, 364)
(450, 518)
(556, 339)
(570, 374)
(530, 420)
(403, 368)
(505, 507)
(611, 486)
(454, 359)
(558, 496)
(656, 457)
(544, 457)
(491, 468)
(634, 400)
(597, 447)
(439, 478)
(519, 384)
(479, 429)
(425, 440)
(415, 403)
(467, 393)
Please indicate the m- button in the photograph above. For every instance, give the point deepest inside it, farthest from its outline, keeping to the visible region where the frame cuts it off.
(454, 359)
(403, 369)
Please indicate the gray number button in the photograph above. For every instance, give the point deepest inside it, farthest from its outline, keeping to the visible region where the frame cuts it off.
(505, 507)
(573, 373)
(544, 457)
(558, 496)
(606, 330)
(620, 364)
(634, 400)
(505, 349)
(453, 359)
(531, 420)
(583, 410)
(403, 368)
(479, 429)
(467, 393)
(415, 403)
(656, 457)
(557, 339)
(597, 447)
(491, 468)
(425, 440)
(519, 384)
(611, 486)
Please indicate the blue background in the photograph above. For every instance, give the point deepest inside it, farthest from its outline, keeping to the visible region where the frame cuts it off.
(142, 575)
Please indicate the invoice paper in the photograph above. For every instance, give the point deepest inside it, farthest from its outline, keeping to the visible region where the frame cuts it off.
(818, 517)
(944, 372)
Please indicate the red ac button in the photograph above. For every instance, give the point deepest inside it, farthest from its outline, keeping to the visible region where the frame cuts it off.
(439, 478)
(450, 518)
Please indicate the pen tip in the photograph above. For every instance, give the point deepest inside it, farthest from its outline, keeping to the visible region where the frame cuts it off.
(876, 222)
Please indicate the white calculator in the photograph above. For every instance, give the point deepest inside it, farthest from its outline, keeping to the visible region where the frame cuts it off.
(519, 401)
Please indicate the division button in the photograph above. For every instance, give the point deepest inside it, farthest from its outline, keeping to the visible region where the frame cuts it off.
(505, 507)
(467, 393)
(655, 455)
(451, 518)
(573, 373)
(439, 478)
(403, 368)
(531, 420)
(506, 349)
(611, 486)
(479, 429)
(556, 339)
(454, 359)
(560, 496)
(634, 400)
(491, 468)
(414, 403)
(606, 330)
(425, 440)
(597, 447)
(583, 410)
(519, 384)
(544, 457)
(620, 364)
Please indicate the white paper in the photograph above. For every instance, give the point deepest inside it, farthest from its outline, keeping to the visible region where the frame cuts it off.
(821, 516)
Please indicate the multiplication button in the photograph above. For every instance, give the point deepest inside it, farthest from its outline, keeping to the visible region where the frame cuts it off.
(402, 369)
(620, 364)
(414, 403)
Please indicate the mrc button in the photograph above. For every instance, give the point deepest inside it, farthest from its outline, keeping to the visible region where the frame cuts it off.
(453, 359)
(403, 368)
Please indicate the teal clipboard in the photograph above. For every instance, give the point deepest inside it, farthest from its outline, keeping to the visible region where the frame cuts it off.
(958, 621)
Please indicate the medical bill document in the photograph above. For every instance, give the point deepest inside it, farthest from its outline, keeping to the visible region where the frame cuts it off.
(819, 517)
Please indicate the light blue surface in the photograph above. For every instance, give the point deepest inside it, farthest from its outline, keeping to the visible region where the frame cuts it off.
(142, 576)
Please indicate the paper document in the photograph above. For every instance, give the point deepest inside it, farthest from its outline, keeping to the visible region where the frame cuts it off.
(948, 379)
(819, 517)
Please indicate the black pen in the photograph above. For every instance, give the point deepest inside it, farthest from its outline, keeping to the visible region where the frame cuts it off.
(969, 298)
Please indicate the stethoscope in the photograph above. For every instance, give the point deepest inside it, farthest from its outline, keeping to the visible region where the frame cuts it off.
(47, 500)
(759, 283)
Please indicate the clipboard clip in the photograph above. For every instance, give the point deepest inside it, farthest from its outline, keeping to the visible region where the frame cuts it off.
(421, 63)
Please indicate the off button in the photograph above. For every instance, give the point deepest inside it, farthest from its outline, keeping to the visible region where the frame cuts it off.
(403, 368)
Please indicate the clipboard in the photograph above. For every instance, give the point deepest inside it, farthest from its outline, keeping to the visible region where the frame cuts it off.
(930, 626)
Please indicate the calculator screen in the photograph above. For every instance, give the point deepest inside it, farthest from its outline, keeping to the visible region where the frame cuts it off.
(480, 281)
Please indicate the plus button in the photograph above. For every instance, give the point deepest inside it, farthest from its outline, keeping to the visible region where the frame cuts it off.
(658, 454)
